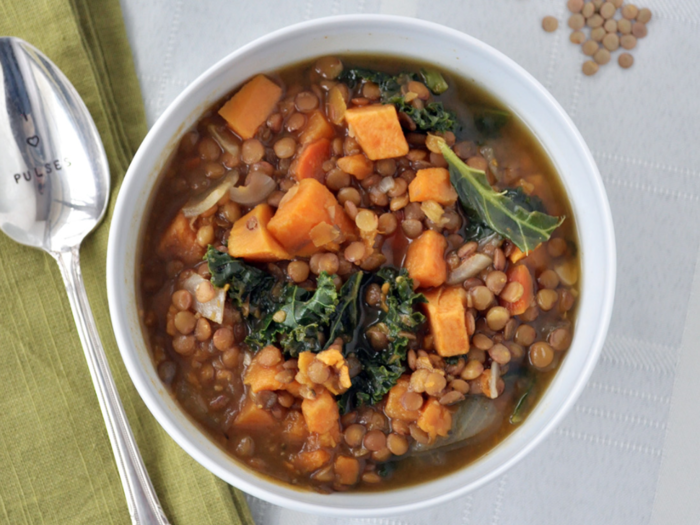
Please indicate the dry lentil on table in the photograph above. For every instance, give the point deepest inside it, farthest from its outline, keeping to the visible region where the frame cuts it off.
(204, 362)
(613, 33)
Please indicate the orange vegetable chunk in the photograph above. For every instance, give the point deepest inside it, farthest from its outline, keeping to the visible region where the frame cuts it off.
(306, 205)
(432, 184)
(347, 470)
(310, 460)
(259, 377)
(294, 427)
(435, 419)
(445, 310)
(309, 163)
(250, 107)
(317, 128)
(394, 407)
(378, 131)
(425, 259)
(357, 165)
(253, 417)
(521, 274)
(180, 241)
(321, 413)
(250, 239)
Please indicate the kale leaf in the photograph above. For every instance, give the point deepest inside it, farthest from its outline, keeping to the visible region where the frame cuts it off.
(297, 323)
(382, 369)
(499, 210)
(434, 80)
(490, 121)
(243, 279)
(433, 117)
(347, 314)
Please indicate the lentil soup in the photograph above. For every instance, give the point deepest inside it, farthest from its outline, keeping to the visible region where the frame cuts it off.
(358, 273)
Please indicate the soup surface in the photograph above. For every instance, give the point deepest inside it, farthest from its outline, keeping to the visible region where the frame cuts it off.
(358, 273)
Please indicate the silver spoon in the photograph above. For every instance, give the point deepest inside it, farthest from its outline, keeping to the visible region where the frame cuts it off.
(54, 187)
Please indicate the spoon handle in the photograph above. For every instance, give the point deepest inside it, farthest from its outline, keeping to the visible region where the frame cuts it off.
(141, 498)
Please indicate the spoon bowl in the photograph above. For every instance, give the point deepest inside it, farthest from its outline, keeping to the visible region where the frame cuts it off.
(54, 175)
(54, 188)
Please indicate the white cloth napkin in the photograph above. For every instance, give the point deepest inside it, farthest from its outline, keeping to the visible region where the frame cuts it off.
(627, 453)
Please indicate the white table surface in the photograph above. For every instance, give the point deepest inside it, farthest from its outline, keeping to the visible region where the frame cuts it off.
(628, 452)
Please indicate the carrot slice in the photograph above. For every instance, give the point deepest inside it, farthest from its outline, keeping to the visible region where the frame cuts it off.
(309, 163)
(521, 274)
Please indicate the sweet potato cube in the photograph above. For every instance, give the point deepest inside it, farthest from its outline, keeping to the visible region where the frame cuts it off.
(310, 161)
(317, 128)
(260, 377)
(180, 240)
(378, 131)
(432, 184)
(306, 205)
(394, 407)
(357, 165)
(253, 417)
(445, 310)
(310, 460)
(250, 107)
(435, 419)
(331, 438)
(347, 470)
(425, 259)
(294, 427)
(339, 379)
(250, 239)
(321, 414)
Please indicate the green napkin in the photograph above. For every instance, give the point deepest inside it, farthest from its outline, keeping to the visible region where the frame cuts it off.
(56, 463)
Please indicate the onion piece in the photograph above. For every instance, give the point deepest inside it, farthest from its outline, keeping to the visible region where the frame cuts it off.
(475, 418)
(493, 380)
(202, 202)
(469, 268)
(258, 188)
(433, 211)
(229, 143)
(213, 309)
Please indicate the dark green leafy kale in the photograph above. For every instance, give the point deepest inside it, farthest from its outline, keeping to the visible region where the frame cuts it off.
(400, 316)
(526, 384)
(388, 84)
(243, 279)
(386, 469)
(381, 369)
(497, 209)
(490, 121)
(432, 117)
(347, 314)
(298, 319)
(434, 80)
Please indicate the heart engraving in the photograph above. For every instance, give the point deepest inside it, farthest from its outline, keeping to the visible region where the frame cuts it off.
(33, 141)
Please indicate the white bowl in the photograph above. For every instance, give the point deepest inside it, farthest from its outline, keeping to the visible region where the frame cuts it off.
(447, 49)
